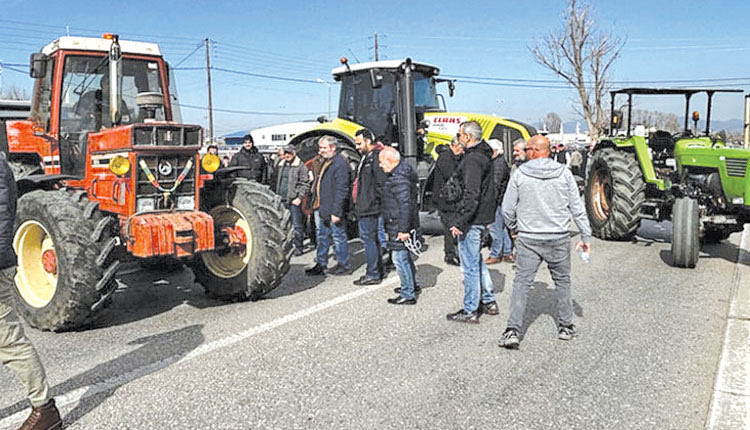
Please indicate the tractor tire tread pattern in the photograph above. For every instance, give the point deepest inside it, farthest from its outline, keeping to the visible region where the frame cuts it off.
(685, 233)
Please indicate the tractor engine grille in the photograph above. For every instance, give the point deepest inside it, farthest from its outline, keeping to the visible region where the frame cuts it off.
(736, 167)
(166, 169)
(160, 135)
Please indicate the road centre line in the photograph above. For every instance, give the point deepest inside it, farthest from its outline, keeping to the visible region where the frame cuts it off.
(114, 382)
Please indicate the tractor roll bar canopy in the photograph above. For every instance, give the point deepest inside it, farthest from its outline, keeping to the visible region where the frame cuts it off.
(687, 92)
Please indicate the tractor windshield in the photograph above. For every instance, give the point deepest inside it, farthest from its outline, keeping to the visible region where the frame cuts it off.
(374, 108)
(425, 94)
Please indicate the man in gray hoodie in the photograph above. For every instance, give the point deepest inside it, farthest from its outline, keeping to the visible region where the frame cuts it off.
(540, 199)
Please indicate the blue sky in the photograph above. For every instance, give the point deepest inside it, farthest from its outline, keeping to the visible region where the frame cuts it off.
(664, 40)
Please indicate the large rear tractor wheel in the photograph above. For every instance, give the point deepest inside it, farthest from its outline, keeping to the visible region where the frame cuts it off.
(251, 215)
(685, 232)
(615, 191)
(66, 267)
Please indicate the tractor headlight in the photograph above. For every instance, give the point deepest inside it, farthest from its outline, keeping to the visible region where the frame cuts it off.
(145, 204)
(186, 202)
(210, 163)
(119, 165)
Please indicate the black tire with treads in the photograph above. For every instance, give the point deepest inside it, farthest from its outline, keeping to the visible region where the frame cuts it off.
(685, 232)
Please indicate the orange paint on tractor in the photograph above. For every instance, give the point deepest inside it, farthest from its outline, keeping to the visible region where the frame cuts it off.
(178, 234)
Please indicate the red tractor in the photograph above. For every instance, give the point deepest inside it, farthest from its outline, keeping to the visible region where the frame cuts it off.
(104, 169)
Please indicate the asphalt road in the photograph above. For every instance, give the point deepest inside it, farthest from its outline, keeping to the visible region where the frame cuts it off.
(323, 353)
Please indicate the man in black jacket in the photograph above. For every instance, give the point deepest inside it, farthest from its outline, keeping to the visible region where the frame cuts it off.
(401, 218)
(502, 246)
(250, 158)
(448, 158)
(476, 210)
(368, 196)
(331, 189)
(16, 351)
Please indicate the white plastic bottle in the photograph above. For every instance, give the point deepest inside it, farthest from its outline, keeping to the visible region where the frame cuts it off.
(585, 257)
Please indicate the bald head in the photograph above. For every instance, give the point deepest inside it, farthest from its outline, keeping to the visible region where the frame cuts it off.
(539, 146)
(389, 159)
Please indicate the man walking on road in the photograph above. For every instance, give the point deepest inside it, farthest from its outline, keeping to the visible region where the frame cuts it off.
(331, 191)
(368, 197)
(16, 351)
(541, 197)
(476, 210)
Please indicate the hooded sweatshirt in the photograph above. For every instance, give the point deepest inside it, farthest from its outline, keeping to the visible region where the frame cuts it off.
(541, 197)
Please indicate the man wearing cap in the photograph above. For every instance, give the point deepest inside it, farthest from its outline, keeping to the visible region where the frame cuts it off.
(250, 158)
(292, 182)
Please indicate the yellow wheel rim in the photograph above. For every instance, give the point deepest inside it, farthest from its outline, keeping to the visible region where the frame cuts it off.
(35, 281)
(228, 264)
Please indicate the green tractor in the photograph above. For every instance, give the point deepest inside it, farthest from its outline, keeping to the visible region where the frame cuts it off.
(399, 102)
(697, 181)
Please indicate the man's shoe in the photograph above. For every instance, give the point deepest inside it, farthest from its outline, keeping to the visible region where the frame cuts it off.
(567, 332)
(492, 260)
(340, 270)
(510, 258)
(463, 316)
(402, 301)
(490, 308)
(316, 270)
(417, 289)
(45, 417)
(367, 281)
(297, 252)
(509, 339)
(452, 260)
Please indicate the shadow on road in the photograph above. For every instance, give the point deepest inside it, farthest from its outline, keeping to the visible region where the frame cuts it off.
(542, 300)
(427, 275)
(155, 353)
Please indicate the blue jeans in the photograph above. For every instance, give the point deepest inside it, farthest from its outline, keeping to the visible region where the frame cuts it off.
(406, 272)
(501, 243)
(476, 276)
(382, 237)
(368, 232)
(340, 244)
(298, 222)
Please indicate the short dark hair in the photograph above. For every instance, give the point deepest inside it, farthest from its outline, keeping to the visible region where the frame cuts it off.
(366, 134)
(248, 137)
(212, 146)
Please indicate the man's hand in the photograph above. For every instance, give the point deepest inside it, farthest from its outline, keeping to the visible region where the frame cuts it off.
(585, 246)
(403, 236)
(455, 232)
(335, 219)
(297, 201)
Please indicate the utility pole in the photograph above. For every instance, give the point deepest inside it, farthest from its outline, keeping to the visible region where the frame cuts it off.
(210, 101)
(376, 46)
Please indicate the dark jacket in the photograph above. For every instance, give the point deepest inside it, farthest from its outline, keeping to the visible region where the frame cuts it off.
(7, 214)
(479, 202)
(500, 176)
(369, 185)
(299, 180)
(333, 188)
(252, 159)
(444, 167)
(400, 212)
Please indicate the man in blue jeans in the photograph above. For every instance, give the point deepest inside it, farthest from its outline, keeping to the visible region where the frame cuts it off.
(368, 197)
(502, 246)
(292, 182)
(331, 191)
(475, 211)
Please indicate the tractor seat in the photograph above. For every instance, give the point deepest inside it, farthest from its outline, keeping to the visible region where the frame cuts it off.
(661, 141)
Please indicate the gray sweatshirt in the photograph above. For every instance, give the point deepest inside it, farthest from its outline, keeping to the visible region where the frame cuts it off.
(541, 197)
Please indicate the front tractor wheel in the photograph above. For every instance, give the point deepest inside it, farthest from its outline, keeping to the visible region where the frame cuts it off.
(253, 240)
(66, 268)
(685, 233)
(615, 191)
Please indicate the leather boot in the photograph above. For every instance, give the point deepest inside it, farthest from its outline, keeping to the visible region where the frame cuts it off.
(45, 417)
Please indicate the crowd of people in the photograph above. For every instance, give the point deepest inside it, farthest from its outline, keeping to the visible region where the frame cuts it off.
(526, 206)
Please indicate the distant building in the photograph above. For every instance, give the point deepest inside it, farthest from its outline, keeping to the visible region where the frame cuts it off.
(576, 139)
(268, 140)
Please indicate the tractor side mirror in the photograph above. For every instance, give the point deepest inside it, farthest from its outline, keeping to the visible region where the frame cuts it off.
(616, 121)
(38, 65)
(376, 79)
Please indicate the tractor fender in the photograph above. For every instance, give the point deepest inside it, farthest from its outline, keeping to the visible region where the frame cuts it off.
(40, 181)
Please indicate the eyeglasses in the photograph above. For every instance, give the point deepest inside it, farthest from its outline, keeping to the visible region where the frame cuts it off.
(528, 149)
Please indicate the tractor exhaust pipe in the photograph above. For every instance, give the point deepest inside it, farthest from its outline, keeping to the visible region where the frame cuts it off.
(115, 81)
(408, 126)
(746, 134)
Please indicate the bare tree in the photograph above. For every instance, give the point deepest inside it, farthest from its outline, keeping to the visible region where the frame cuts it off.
(552, 122)
(13, 92)
(582, 56)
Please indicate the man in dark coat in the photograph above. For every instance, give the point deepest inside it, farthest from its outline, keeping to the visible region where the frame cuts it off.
(448, 158)
(502, 246)
(292, 182)
(476, 210)
(250, 158)
(331, 191)
(368, 196)
(16, 351)
(401, 217)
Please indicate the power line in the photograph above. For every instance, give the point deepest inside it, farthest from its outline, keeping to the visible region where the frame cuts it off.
(247, 112)
(675, 81)
(199, 46)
